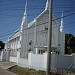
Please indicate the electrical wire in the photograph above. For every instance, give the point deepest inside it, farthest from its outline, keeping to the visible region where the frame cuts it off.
(12, 3)
(52, 20)
(32, 15)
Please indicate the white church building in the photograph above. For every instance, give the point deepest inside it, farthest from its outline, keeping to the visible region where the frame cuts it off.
(27, 46)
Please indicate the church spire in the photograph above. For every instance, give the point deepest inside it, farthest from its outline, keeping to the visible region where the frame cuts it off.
(47, 5)
(24, 20)
(62, 23)
(25, 13)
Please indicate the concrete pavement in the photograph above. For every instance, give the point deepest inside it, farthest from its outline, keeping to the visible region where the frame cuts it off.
(4, 66)
(5, 72)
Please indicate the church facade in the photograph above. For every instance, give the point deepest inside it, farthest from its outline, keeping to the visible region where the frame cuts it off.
(30, 41)
(33, 36)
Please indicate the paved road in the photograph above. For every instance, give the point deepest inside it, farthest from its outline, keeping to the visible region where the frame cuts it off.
(5, 72)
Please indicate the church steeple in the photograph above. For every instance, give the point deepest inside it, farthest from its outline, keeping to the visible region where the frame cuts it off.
(24, 20)
(62, 23)
(62, 35)
(25, 13)
(47, 5)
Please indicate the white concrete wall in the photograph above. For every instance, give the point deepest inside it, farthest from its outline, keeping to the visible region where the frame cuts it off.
(13, 59)
(64, 61)
(23, 62)
(1, 55)
(4, 54)
(37, 61)
(33, 61)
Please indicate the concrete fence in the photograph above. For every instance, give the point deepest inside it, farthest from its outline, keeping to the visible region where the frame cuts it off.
(39, 61)
(64, 62)
(0, 55)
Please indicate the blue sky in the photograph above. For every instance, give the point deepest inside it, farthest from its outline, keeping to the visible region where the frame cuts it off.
(11, 13)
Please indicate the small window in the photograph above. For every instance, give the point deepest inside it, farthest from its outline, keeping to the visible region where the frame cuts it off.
(39, 51)
(17, 49)
(5, 49)
(29, 49)
(46, 28)
(43, 51)
(30, 42)
(20, 42)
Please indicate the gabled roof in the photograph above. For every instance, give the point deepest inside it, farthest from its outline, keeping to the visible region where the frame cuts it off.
(31, 23)
(18, 30)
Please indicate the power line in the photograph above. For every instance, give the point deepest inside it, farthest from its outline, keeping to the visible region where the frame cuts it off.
(25, 29)
(10, 16)
(52, 20)
(19, 8)
(69, 10)
(12, 7)
(24, 34)
(60, 6)
(64, 16)
(43, 31)
(12, 3)
(9, 31)
(30, 28)
(63, 6)
(7, 34)
(7, 1)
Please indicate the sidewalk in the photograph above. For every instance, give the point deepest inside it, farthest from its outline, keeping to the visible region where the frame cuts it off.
(5, 72)
(6, 65)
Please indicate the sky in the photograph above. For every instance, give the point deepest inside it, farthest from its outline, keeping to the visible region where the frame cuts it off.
(11, 13)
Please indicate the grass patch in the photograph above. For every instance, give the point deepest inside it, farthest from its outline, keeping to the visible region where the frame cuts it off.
(26, 71)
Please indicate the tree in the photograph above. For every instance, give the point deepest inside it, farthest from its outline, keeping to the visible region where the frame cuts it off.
(1, 45)
(69, 44)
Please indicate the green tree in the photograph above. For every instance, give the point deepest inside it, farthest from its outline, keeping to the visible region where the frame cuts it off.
(69, 44)
(1, 45)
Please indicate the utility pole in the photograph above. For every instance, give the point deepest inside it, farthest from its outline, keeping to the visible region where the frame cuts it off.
(49, 39)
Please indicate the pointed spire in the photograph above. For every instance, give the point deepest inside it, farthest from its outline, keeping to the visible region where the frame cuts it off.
(25, 8)
(47, 5)
(24, 20)
(62, 23)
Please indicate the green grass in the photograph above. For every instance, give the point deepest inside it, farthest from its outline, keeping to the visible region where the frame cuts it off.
(27, 71)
